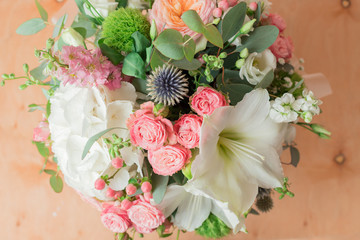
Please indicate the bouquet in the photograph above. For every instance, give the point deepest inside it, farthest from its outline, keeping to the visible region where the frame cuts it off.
(170, 114)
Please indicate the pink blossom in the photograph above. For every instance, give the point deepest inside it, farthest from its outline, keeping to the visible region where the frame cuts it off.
(276, 20)
(145, 216)
(115, 219)
(187, 130)
(205, 100)
(167, 14)
(41, 132)
(282, 48)
(169, 159)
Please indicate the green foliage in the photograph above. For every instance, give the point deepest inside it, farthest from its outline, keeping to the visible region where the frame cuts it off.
(140, 42)
(267, 80)
(119, 26)
(140, 85)
(114, 56)
(31, 26)
(285, 189)
(56, 183)
(295, 156)
(159, 184)
(232, 21)
(187, 65)
(134, 66)
(115, 145)
(42, 11)
(189, 48)
(82, 21)
(42, 148)
(214, 36)
(170, 44)
(213, 227)
(236, 92)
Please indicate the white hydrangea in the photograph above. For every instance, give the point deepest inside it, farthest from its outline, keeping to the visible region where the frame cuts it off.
(257, 65)
(285, 108)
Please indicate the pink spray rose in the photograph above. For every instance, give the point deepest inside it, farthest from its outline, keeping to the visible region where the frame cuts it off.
(282, 48)
(276, 20)
(145, 216)
(41, 132)
(205, 100)
(167, 14)
(187, 130)
(115, 219)
(169, 159)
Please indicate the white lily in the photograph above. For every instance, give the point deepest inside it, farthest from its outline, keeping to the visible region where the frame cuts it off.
(238, 152)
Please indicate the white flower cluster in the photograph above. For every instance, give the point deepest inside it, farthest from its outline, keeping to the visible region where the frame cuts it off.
(288, 109)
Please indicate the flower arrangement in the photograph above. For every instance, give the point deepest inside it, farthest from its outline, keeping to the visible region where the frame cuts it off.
(170, 114)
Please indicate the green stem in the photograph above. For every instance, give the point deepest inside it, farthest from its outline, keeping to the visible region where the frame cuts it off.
(178, 234)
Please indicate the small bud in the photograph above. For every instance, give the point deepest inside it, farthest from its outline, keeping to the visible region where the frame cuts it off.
(23, 86)
(110, 193)
(320, 129)
(223, 55)
(153, 30)
(216, 21)
(246, 28)
(118, 194)
(217, 12)
(239, 63)
(146, 187)
(224, 5)
(26, 68)
(207, 72)
(5, 76)
(187, 171)
(100, 184)
(253, 6)
(49, 43)
(117, 162)
(37, 53)
(72, 37)
(12, 75)
(2, 83)
(126, 204)
(244, 53)
(130, 189)
(205, 57)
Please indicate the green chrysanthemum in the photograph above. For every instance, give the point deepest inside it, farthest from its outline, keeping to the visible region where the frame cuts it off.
(120, 25)
(167, 85)
(213, 227)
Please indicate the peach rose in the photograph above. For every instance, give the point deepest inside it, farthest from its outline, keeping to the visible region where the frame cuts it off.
(169, 159)
(205, 100)
(145, 217)
(282, 48)
(276, 20)
(187, 130)
(167, 13)
(115, 219)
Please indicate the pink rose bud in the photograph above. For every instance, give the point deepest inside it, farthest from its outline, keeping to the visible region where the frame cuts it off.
(146, 187)
(224, 5)
(115, 219)
(126, 204)
(100, 184)
(205, 100)
(253, 6)
(148, 196)
(232, 2)
(130, 189)
(117, 162)
(187, 130)
(216, 13)
(118, 194)
(41, 132)
(110, 193)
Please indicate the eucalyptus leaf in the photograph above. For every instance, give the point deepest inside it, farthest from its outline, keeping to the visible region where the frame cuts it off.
(192, 19)
(267, 80)
(236, 92)
(186, 65)
(43, 150)
(50, 171)
(233, 21)
(31, 26)
(170, 44)
(134, 66)
(48, 109)
(83, 22)
(37, 73)
(157, 59)
(34, 107)
(81, 31)
(42, 11)
(114, 56)
(295, 156)
(189, 48)
(59, 26)
(231, 77)
(159, 184)
(213, 35)
(258, 14)
(140, 85)
(260, 39)
(140, 42)
(56, 183)
(93, 139)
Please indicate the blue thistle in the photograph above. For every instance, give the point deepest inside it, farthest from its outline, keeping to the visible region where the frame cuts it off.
(167, 85)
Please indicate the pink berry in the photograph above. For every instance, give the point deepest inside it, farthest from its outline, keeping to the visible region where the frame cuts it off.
(253, 6)
(110, 193)
(100, 184)
(224, 5)
(232, 2)
(118, 194)
(217, 12)
(130, 189)
(117, 162)
(126, 204)
(146, 187)
(148, 196)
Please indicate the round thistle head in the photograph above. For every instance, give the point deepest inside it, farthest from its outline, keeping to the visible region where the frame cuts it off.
(167, 85)
(264, 204)
(120, 25)
(262, 192)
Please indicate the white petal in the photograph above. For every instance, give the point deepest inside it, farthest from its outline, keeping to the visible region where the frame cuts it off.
(174, 195)
(120, 181)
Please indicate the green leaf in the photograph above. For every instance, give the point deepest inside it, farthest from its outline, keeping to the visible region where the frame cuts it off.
(37, 73)
(81, 31)
(233, 21)
(34, 107)
(48, 109)
(159, 184)
(192, 19)
(140, 42)
(189, 48)
(56, 183)
(93, 139)
(59, 26)
(230, 77)
(213, 35)
(186, 65)
(236, 92)
(258, 14)
(42, 11)
(260, 39)
(157, 59)
(49, 171)
(83, 22)
(122, 3)
(267, 80)
(114, 56)
(170, 44)
(134, 66)
(31, 26)
(43, 150)
(140, 85)
(295, 156)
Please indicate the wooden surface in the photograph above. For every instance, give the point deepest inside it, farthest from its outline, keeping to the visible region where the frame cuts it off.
(326, 205)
